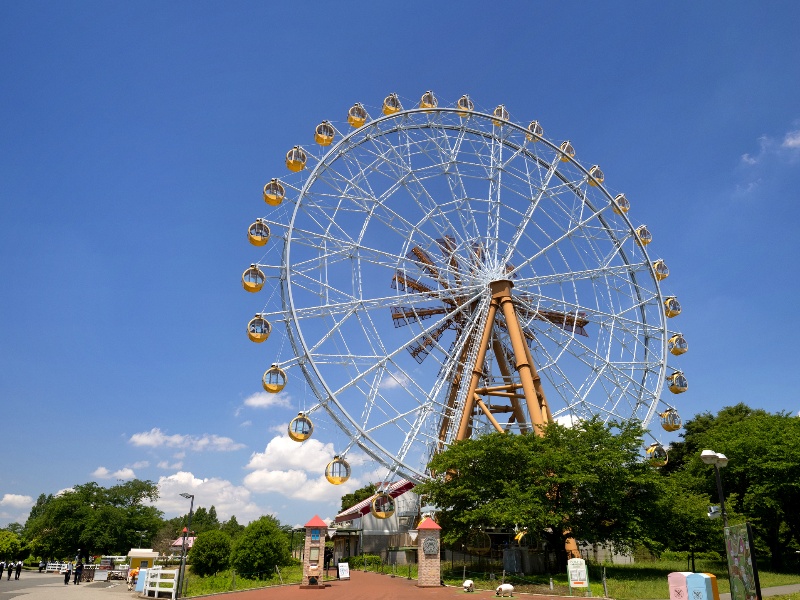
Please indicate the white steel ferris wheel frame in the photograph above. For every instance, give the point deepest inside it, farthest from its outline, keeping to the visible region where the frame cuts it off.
(352, 358)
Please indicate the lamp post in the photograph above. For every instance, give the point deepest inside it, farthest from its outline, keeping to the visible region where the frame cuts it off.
(182, 571)
(710, 457)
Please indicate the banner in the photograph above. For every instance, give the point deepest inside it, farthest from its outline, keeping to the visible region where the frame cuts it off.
(742, 567)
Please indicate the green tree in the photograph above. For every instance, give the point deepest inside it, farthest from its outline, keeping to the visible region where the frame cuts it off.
(211, 552)
(10, 545)
(204, 520)
(588, 482)
(232, 527)
(357, 496)
(682, 512)
(94, 519)
(261, 547)
(762, 478)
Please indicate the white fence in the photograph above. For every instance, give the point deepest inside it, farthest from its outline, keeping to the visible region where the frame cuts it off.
(160, 583)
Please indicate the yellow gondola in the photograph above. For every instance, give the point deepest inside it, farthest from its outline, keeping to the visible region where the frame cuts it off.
(621, 204)
(672, 308)
(661, 270)
(258, 233)
(300, 428)
(428, 100)
(499, 113)
(567, 151)
(596, 176)
(382, 506)
(324, 133)
(657, 455)
(644, 235)
(337, 471)
(678, 383)
(296, 159)
(535, 131)
(274, 379)
(357, 115)
(253, 279)
(391, 104)
(671, 420)
(258, 329)
(274, 192)
(464, 106)
(677, 344)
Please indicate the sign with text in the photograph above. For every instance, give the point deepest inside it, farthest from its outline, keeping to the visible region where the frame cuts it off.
(344, 570)
(576, 571)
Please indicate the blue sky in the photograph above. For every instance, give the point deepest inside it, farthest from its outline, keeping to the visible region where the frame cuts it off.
(136, 139)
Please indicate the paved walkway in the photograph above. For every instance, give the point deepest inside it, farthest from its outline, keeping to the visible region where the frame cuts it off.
(362, 586)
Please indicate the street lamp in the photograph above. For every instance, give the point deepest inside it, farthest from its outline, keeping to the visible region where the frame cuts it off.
(181, 572)
(718, 460)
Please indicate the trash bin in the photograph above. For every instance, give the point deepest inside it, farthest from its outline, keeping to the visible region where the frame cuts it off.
(677, 585)
(699, 587)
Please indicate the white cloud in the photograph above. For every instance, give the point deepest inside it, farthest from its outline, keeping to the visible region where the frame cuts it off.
(266, 400)
(155, 438)
(15, 508)
(298, 470)
(103, 473)
(16, 501)
(165, 465)
(296, 484)
(792, 139)
(770, 149)
(245, 424)
(126, 473)
(142, 464)
(282, 453)
(394, 380)
(228, 499)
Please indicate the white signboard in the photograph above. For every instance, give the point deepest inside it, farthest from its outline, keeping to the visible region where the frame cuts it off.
(344, 570)
(576, 571)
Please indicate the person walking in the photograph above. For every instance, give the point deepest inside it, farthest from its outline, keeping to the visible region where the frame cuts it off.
(67, 573)
(18, 571)
(78, 573)
(10, 567)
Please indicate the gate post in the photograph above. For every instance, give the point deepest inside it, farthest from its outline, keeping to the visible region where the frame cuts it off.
(314, 555)
(428, 552)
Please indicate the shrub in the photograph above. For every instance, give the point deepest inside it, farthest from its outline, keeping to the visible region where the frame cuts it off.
(211, 552)
(357, 562)
(260, 548)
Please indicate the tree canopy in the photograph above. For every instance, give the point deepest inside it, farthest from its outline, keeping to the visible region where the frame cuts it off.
(211, 552)
(261, 547)
(762, 478)
(93, 518)
(357, 496)
(588, 482)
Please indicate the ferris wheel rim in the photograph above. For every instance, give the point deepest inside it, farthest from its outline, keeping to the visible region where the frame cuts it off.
(352, 427)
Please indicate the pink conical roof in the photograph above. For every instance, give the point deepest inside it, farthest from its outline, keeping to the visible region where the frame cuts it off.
(428, 523)
(316, 522)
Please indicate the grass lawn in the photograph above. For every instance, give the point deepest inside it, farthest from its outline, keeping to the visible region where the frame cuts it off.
(226, 581)
(639, 581)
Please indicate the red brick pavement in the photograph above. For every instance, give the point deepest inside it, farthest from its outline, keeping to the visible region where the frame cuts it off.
(366, 586)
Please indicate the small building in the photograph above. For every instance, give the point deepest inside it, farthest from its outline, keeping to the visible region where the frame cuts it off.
(176, 546)
(357, 530)
(142, 558)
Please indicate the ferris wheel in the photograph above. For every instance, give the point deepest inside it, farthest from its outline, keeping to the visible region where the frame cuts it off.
(439, 272)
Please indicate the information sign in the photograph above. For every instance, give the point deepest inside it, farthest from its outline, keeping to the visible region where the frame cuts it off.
(344, 570)
(576, 571)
